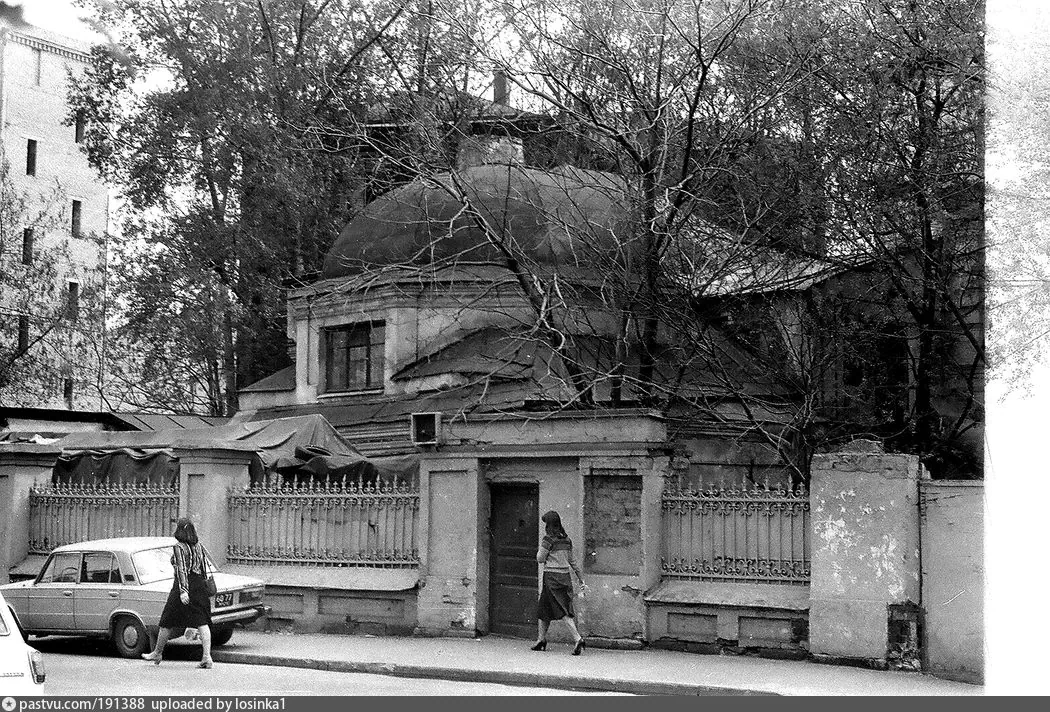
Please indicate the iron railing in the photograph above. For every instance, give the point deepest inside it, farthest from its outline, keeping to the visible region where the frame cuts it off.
(62, 513)
(326, 523)
(736, 533)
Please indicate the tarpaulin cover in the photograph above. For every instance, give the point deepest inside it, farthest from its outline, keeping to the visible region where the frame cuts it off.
(158, 468)
(297, 447)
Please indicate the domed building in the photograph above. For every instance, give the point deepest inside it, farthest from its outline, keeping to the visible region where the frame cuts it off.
(469, 320)
(565, 219)
(471, 323)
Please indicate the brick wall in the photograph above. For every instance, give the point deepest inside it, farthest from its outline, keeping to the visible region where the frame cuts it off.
(612, 512)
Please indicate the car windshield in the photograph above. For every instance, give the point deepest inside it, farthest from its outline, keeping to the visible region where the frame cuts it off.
(155, 564)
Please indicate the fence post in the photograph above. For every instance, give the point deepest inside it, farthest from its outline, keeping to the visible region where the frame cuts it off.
(21, 467)
(206, 476)
(865, 560)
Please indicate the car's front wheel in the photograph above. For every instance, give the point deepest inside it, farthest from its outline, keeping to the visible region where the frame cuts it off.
(221, 636)
(130, 637)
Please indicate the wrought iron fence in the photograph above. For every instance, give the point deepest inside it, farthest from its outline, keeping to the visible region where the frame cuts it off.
(737, 533)
(327, 523)
(61, 513)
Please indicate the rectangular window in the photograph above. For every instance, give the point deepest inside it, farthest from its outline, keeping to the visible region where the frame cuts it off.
(354, 357)
(73, 301)
(67, 392)
(100, 568)
(80, 125)
(23, 333)
(31, 157)
(27, 246)
(38, 66)
(77, 208)
(62, 568)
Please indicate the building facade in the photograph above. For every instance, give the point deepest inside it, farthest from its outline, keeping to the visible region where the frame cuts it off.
(55, 220)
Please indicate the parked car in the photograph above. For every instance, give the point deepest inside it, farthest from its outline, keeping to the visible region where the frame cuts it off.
(116, 588)
(21, 667)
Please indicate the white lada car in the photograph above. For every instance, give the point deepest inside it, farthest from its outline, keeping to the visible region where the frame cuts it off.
(116, 589)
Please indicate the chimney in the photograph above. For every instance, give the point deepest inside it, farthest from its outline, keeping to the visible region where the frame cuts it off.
(500, 95)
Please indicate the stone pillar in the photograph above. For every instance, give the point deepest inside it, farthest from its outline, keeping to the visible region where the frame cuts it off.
(450, 504)
(865, 549)
(206, 476)
(21, 467)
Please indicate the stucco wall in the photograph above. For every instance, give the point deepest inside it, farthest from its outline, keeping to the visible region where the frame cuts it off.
(448, 598)
(865, 550)
(953, 578)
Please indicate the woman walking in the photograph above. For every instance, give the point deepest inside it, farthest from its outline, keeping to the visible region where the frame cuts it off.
(556, 595)
(188, 603)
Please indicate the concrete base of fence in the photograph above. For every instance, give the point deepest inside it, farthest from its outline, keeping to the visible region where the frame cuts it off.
(728, 615)
(329, 610)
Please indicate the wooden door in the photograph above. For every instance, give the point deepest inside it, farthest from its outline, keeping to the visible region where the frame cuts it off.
(514, 521)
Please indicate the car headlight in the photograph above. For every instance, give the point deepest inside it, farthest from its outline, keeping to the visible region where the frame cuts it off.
(36, 662)
(252, 594)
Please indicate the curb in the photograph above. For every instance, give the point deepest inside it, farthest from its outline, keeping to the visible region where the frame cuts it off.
(500, 677)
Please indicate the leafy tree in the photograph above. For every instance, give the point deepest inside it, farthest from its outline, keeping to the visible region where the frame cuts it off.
(229, 151)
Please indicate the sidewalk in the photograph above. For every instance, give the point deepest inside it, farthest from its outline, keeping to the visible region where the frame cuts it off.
(510, 662)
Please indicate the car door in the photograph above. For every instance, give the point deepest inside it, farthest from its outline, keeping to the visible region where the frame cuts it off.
(51, 598)
(99, 591)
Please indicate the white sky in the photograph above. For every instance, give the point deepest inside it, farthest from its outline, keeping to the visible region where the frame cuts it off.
(56, 15)
(1017, 457)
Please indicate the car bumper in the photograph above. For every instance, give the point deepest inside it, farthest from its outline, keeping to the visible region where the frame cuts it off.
(242, 616)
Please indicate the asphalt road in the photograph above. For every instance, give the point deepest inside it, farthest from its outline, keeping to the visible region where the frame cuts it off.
(84, 667)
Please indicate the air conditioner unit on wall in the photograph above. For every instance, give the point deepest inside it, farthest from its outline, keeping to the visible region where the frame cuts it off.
(426, 428)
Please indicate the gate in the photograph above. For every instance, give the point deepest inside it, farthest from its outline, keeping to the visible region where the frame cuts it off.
(736, 533)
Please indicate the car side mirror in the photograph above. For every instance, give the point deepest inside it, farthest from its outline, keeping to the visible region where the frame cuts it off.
(129, 578)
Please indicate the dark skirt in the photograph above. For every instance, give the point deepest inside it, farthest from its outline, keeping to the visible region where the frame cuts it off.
(555, 597)
(193, 615)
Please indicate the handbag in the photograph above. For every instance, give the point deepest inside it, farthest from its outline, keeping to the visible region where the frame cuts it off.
(209, 581)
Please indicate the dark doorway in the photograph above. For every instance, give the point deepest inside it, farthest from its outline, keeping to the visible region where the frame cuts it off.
(514, 522)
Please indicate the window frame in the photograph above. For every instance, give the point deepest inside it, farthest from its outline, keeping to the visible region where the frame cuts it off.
(52, 563)
(68, 388)
(76, 217)
(72, 312)
(114, 566)
(374, 356)
(32, 152)
(79, 126)
(28, 243)
(23, 333)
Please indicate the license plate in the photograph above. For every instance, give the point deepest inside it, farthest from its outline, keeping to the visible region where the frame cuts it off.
(223, 599)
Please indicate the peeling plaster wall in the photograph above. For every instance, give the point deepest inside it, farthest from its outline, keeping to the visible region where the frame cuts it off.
(448, 598)
(865, 549)
(953, 578)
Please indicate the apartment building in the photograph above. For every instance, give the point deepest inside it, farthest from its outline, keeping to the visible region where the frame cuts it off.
(55, 217)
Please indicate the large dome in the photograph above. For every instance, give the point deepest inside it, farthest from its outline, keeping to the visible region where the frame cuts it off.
(562, 217)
